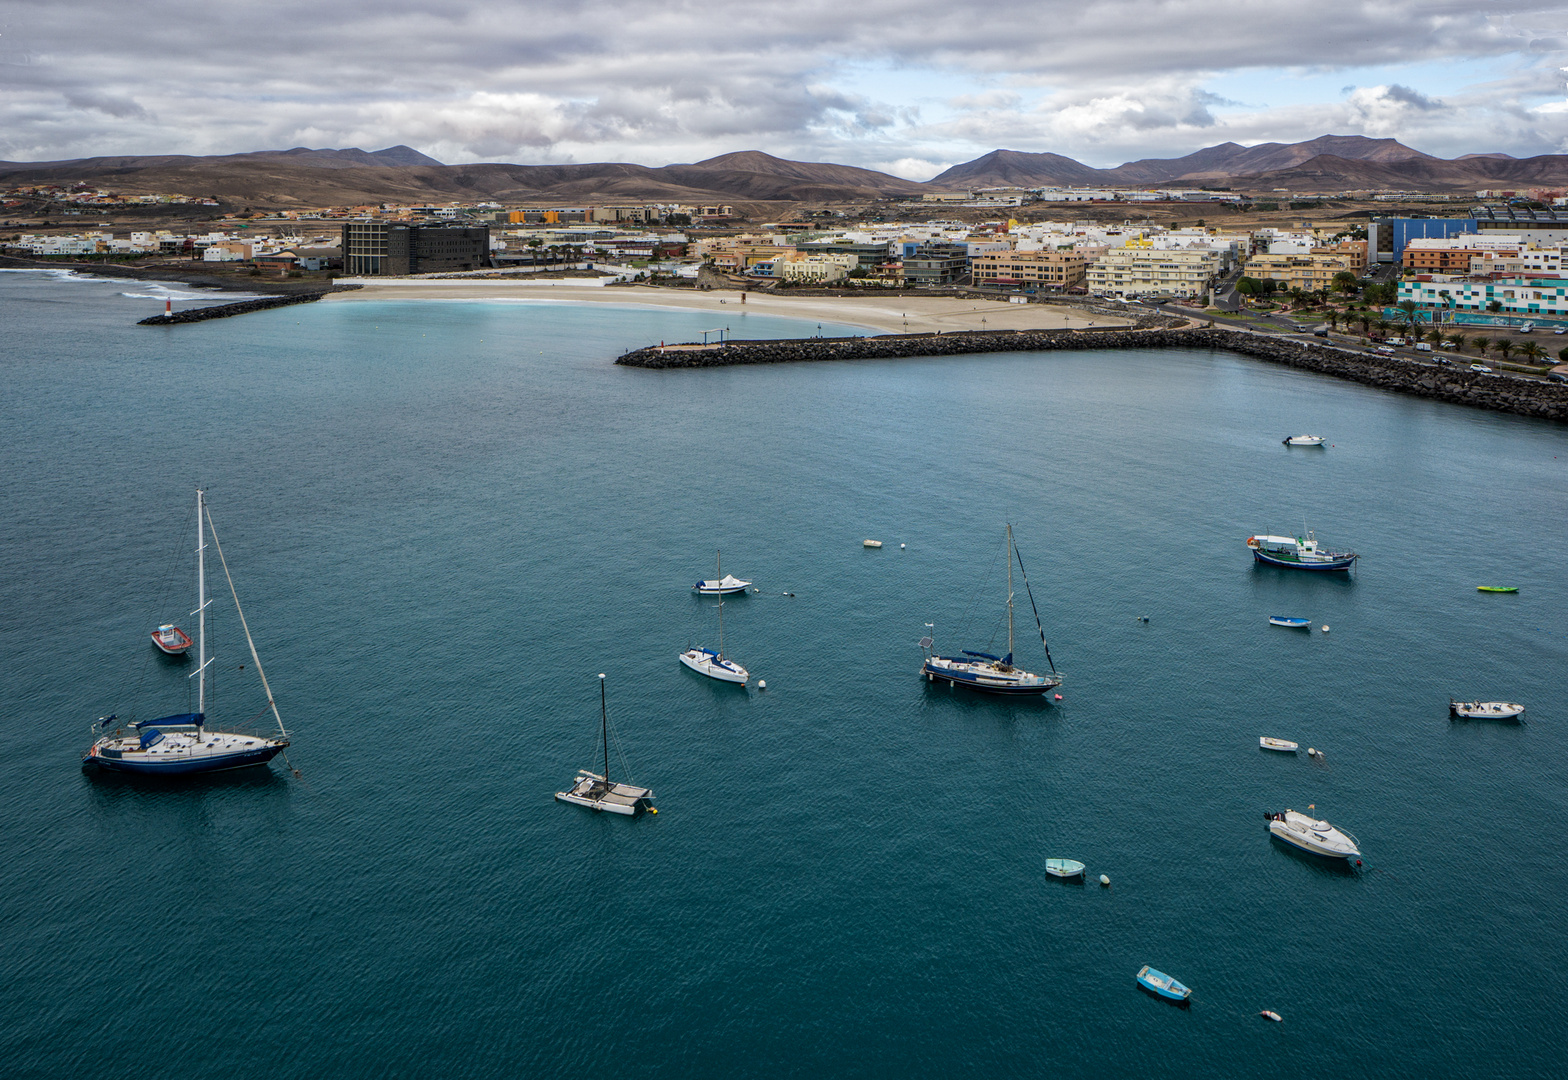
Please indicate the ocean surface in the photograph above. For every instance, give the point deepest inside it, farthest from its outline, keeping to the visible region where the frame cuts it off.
(445, 519)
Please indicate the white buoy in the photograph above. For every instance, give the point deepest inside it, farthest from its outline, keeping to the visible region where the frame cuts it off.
(762, 684)
(900, 547)
(1105, 880)
(1311, 752)
(1325, 628)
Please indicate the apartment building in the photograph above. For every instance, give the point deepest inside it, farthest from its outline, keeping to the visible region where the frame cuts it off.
(1138, 271)
(1513, 296)
(800, 269)
(1056, 270)
(935, 265)
(1306, 272)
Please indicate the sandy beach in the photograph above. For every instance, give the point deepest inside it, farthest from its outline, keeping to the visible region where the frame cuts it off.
(881, 314)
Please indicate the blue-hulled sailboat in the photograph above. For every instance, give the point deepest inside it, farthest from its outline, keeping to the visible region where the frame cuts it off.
(989, 673)
(183, 744)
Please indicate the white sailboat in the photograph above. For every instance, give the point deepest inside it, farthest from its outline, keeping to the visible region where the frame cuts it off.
(596, 791)
(712, 662)
(183, 744)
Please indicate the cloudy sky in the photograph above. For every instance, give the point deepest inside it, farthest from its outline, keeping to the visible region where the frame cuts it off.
(906, 86)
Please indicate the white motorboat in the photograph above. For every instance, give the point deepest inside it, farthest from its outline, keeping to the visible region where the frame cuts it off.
(723, 584)
(1282, 745)
(712, 662)
(1314, 835)
(598, 792)
(871, 543)
(1485, 710)
(1305, 440)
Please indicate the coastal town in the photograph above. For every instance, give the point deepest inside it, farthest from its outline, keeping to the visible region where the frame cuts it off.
(1483, 276)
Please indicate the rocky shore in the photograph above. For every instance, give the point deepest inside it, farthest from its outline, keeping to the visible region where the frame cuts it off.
(1526, 397)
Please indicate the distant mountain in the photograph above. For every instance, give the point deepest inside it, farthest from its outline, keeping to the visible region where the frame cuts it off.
(757, 182)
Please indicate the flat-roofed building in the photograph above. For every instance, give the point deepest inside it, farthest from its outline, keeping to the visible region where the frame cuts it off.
(1139, 271)
(1306, 272)
(380, 247)
(801, 269)
(934, 265)
(1059, 270)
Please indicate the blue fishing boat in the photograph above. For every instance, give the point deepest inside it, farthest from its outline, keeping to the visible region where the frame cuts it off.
(1286, 620)
(183, 744)
(1298, 553)
(988, 672)
(1162, 984)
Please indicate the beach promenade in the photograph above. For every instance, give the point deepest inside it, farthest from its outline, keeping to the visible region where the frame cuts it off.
(882, 314)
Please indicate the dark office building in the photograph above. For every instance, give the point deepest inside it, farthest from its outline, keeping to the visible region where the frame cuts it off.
(934, 265)
(382, 247)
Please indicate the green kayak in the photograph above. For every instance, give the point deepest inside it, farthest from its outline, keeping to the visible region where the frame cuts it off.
(1496, 588)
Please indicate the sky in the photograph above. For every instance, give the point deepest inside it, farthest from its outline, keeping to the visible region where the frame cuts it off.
(908, 87)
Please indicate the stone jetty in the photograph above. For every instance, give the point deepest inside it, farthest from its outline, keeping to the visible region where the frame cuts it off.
(1457, 384)
(223, 311)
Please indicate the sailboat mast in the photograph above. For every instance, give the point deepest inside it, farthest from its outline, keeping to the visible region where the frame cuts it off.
(604, 728)
(721, 629)
(1009, 593)
(201, 606)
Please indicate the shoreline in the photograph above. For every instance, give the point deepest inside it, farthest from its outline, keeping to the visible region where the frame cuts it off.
(883, 314)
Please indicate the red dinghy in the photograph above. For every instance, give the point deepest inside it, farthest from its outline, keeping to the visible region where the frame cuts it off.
(171, 639)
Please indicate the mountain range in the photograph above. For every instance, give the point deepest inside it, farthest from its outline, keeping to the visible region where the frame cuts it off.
(304, 177)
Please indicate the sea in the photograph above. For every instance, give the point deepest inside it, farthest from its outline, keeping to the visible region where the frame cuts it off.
(446, 519)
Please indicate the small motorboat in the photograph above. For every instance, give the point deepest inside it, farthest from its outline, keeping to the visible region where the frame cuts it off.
(871, 543)
(1305, 440)
(723, 584)
(1314, 835)
(1270, 1014)
(1284, 746)
(1286, 620)
(1064, 868)
(171, 639)
(1497, 588)
(1162, 984)
(1485, 710)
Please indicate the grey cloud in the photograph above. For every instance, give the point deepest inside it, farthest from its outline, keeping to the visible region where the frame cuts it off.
(1406, 96)
(110, 104)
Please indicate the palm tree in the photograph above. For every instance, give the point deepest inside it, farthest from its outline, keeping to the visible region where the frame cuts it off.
(1503, 347)
(1435, 336)
(1457, 341)
(1366, 323)
(1532, 352)
(1482, 344)
(1382, 325)
(1333, 318)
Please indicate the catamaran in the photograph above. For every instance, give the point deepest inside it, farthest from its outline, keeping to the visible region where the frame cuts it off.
(985, 671)
(183, 744)
(596, 791)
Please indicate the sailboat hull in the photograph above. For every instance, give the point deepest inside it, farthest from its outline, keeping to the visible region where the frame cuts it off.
(171, 765)
(986, 679)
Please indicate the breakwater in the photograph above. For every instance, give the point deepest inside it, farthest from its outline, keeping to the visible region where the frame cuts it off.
(1457, 384)
(224, 311)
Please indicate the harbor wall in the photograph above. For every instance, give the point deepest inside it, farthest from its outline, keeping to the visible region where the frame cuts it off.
(1457, 384)
(224, 311)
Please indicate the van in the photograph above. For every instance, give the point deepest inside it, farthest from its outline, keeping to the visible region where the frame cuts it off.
(1396, 341)
(1422, 346)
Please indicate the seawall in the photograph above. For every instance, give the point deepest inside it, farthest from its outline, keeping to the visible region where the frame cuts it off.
(1457, 384)
(224, 311)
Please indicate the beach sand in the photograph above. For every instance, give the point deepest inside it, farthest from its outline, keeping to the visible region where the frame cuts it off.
(881, 314)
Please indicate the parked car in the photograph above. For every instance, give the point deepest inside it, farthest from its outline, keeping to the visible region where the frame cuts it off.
(1482, 368)
(1385, 348)
(1557, 376)
(1445, 361)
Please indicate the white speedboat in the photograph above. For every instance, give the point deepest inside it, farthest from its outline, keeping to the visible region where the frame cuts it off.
(1305, 440)
(721, 585)
(1282, 745)
(1314, 835)
(598, 792)
(1485, 710)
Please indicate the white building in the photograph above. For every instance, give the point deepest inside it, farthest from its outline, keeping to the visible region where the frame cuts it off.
(1144, 270)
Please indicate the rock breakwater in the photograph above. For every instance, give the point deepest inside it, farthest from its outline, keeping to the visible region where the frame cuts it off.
(1457, 384)
(224, 311)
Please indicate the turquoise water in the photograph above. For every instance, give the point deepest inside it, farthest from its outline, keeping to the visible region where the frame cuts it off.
(445, 519)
